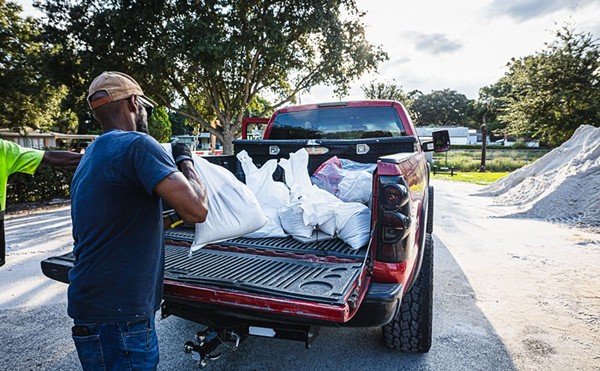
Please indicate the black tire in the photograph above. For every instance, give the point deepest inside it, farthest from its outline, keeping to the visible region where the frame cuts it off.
(430, 211)
(411, 328)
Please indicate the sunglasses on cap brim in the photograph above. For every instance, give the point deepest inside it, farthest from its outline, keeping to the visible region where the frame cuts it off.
(148, 106)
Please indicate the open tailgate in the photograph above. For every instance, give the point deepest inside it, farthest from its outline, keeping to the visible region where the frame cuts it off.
(322, 276)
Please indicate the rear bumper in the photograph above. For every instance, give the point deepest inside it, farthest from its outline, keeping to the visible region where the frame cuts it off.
(378, 307)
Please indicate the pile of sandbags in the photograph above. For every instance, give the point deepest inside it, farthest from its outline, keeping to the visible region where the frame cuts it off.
(301, 209)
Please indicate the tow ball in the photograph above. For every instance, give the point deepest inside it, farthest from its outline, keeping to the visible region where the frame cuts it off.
(207, 342)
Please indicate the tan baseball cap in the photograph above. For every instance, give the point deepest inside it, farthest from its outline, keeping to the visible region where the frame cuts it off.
(118, 86)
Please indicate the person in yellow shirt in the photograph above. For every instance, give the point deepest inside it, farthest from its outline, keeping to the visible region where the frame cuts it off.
(17, 159)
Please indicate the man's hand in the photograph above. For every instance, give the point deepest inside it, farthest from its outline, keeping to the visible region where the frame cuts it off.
(181, 153)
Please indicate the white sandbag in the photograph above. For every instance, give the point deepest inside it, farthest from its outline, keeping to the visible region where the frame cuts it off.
(233, 210)
(292, 221)
(299, 165)
(272, 228)
(319, 209)
(353, 224)
(271, 195)
(356, 186)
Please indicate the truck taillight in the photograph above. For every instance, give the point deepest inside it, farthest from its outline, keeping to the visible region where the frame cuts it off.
(394, 219)
(395, 196)
(395, 226)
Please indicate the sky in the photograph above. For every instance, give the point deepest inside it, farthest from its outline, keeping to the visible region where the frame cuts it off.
(460, 45)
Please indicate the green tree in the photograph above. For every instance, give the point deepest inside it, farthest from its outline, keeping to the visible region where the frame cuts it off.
(441, 107)
(488, 107)
(220, 52)
(159, 125)
(389, 91)
(178, 124)
(66, 123)
(27, 96)
(383, 90)
(554, 91)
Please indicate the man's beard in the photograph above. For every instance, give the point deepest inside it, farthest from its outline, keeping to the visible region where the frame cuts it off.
(141, 122)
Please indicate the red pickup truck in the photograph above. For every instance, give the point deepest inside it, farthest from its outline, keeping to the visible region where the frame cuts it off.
(283, 288)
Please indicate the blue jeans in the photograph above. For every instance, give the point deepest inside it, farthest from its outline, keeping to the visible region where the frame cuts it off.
(116, 345)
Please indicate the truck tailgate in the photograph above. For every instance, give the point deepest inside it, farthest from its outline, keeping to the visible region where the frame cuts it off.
(282, 269)
(283, 277)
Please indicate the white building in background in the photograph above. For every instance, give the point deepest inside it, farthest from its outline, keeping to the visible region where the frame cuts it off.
(458, 134)
(33, 139)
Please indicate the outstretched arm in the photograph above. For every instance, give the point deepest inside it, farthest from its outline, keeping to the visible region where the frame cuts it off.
(61, 158)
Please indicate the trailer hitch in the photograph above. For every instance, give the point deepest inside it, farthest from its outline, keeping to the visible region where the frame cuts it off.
(207, 341)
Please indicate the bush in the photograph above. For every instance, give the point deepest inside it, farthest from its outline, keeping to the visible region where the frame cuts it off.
(47, 183)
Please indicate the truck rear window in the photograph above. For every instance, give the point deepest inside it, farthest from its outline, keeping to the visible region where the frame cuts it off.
(338, 123)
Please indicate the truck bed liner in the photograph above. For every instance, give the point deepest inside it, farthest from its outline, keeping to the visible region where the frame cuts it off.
(318, 281)
(334, 247)
(322, 282)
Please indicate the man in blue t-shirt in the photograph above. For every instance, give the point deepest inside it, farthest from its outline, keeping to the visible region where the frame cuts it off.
(116, 280)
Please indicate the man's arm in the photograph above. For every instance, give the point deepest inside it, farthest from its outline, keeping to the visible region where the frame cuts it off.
(184, 190)
(186, 193)
(61, 158)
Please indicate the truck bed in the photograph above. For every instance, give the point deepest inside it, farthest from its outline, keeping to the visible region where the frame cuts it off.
(320, 272)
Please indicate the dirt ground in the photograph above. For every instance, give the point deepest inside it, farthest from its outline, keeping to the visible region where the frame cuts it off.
(510, 294)
(537, 283)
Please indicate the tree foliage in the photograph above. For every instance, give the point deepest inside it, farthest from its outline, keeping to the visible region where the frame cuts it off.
(159, 125)
(441, 108)
(488, 106)
(27, 96)
(382, 90)
(223, 53)
(389, 91)
(554, 91)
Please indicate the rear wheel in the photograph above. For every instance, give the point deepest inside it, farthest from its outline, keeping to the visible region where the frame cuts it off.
(410, 330)
(430, 211)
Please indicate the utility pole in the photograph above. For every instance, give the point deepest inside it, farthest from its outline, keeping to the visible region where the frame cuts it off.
(483, 146)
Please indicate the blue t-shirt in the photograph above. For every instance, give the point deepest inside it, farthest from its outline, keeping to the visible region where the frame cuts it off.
(118, 229)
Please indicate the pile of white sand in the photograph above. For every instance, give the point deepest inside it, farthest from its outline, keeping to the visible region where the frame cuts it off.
(563, 185)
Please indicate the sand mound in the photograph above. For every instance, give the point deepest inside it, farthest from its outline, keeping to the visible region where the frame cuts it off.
(563, 185)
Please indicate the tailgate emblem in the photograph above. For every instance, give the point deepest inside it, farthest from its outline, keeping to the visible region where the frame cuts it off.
(316, 150)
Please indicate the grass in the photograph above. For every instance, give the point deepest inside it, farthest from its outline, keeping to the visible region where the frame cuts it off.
(471, 177)
(496, 160)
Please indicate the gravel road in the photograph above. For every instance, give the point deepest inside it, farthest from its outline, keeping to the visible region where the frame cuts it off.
(510, 294)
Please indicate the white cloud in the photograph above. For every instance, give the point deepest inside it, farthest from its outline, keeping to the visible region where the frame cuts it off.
(436, 43)
(524, 10)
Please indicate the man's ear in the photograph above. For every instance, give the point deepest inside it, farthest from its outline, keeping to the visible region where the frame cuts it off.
(132, 103)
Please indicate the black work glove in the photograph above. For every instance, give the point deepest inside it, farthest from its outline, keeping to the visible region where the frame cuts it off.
(181, 152)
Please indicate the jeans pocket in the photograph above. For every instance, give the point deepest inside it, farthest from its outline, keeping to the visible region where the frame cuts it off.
(89, 350)
(141, 345)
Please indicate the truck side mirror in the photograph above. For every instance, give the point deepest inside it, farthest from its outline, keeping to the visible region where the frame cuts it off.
(440, 142)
